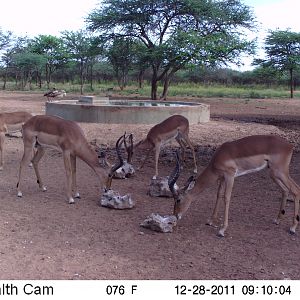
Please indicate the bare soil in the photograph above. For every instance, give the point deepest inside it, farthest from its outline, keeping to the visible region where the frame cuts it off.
(44, 237)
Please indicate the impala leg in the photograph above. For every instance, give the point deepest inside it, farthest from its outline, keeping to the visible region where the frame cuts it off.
(74, 183)
(182, 146)
(188, 141)
(2, 137)
(296, 215)
(220, 195)
(295, 191)
(157, 151)
(229, 181)
(146, 157)
(35, 161)
(285, 193)
(33, 153)
(28, 146)
(282, 206)
(68, 168)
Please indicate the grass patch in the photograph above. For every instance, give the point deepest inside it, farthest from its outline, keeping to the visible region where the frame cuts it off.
(175, 90)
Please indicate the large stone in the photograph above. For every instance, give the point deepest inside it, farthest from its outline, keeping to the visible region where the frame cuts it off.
(159, 223)
(159, 187)
(113, 199)
(125, 171)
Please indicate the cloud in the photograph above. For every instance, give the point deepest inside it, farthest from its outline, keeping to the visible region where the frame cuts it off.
(33, 17)
(278, 15)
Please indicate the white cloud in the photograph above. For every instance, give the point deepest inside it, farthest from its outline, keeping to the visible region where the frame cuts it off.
(33, 17)
(281, 14)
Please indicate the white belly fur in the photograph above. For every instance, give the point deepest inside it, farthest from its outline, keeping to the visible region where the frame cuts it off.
(240, 172)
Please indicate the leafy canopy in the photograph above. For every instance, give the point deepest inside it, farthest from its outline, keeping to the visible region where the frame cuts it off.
(283, 49)
(176, 29)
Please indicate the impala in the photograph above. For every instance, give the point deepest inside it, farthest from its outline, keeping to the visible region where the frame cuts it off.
(236, 158)
(43, 131)
(11, 121)
(175, 127)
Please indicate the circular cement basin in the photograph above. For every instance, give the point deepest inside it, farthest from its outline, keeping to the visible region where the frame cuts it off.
(102, 110)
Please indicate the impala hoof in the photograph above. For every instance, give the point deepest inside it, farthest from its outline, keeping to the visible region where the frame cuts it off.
(71, 201)
(221, 233)
(20, 194)
(210, 223)
(77, 196)
(276, 221)
(195, 171)
(292, 231)
(44, 188)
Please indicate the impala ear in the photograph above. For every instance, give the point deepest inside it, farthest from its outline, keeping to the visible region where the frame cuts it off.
(189, 184)
(101, 153)
(103, 158)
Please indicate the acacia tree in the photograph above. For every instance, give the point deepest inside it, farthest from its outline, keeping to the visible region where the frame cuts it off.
(5, 39)
(53, 50)
(121, 56)
(174, 32)
(283, 53)
(18, 45)
(83, 49)
(28, 63)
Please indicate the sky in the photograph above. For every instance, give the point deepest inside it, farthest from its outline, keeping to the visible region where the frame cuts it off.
(49, 17)
(34, 17)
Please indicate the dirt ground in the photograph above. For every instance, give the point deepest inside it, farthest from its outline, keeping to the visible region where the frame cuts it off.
(44, 237)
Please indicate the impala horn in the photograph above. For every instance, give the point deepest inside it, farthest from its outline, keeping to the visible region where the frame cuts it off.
(117, 165)
(129, 149)
(173, 178)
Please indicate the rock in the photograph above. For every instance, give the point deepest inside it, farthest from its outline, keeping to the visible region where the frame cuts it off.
(160, 223)
(125, 171)
(159, 187)
(113, 199)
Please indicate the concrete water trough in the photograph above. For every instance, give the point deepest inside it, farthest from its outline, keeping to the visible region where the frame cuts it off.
(91, 109)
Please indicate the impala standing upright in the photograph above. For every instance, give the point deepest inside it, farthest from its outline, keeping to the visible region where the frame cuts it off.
(175, 127)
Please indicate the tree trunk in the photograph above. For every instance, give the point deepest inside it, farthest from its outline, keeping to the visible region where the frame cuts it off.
(141, 78)
(167, 80)
(154, 83)
(47, 76)
(292, 83)
(4, 79)
(81, 77)
(91, 74)
(166, 87)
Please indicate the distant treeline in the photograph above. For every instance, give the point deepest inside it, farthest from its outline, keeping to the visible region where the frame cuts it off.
(103, 73)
